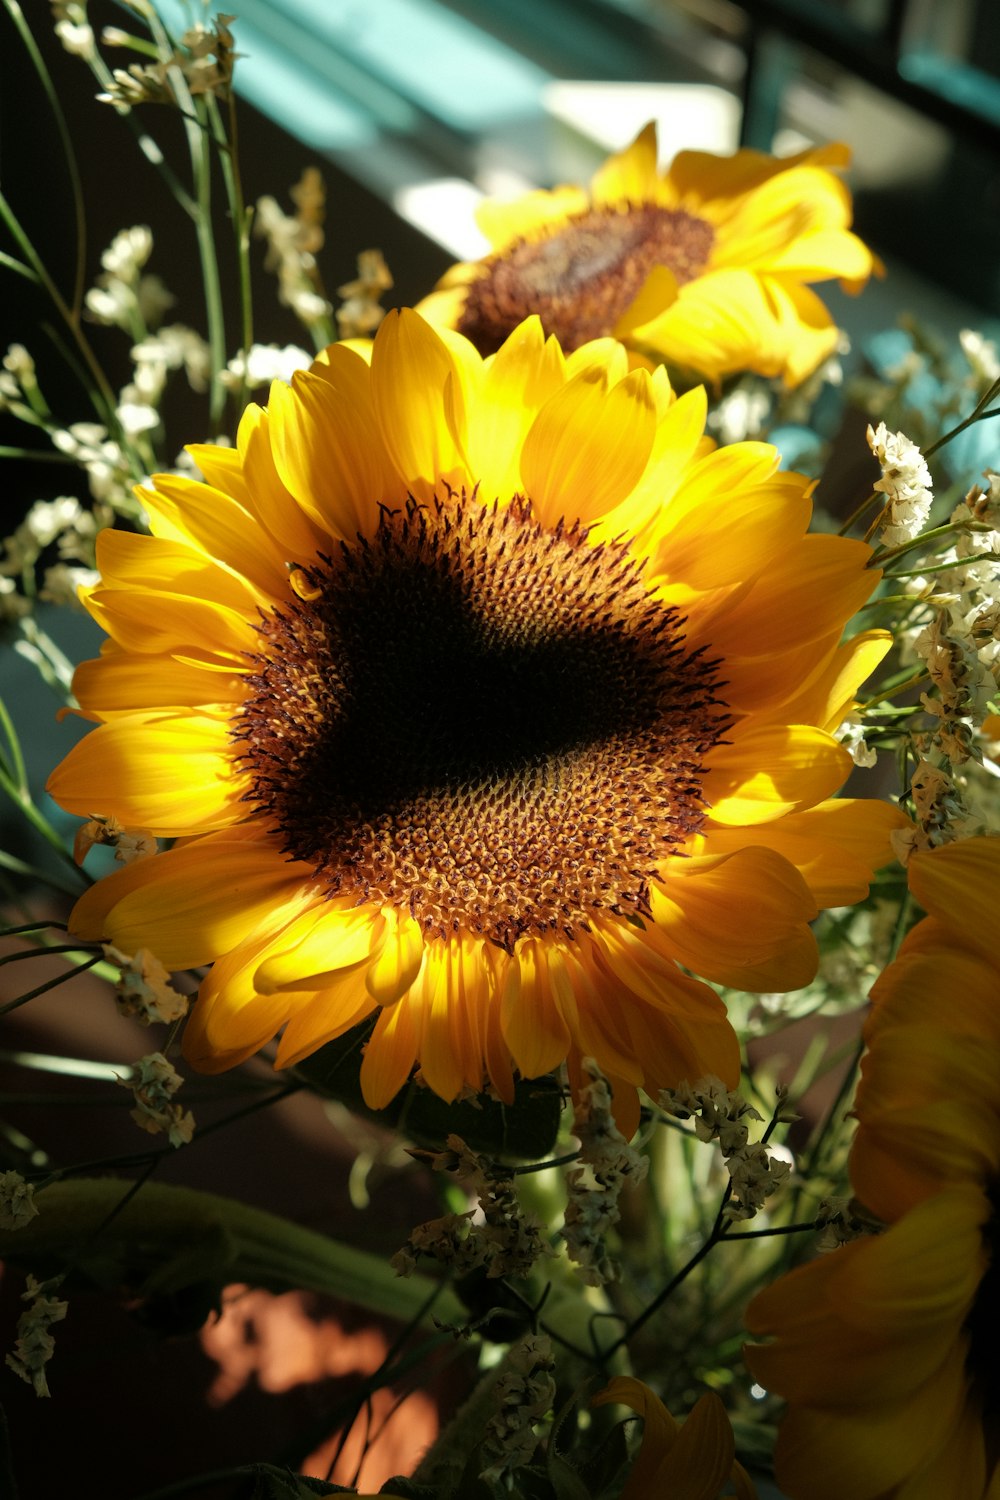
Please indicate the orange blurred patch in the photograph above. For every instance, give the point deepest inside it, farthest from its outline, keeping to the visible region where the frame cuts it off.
(281, 1341)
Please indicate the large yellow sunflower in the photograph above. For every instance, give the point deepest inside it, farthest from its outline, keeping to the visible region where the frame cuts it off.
(707, 266)
(886, 1349)
(483, 696)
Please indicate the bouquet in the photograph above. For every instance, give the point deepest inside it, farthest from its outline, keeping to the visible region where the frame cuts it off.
(463, 758)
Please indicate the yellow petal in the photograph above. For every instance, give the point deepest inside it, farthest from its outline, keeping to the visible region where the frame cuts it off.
(323, 1015)
(398, 958)
(719, 323)
(124, 682)
(789, 208)
(658, 292)
(659, 1432)
(758, 521)
(433, 1000)
(531, 1016)
(195, 902)
(701, 1459)
(223, 470)
(412, 372)
(389, 1056)
(297, 537)
(530, 217)
(628, 177)
(574, 465)
(957, 883)
(217, 526)
(327, 454)
(806, 595)
(171, 773)
(829, 694)
(231, 1020)
(741, 920)
(524, 373)
(768, 772)
(835, 846)
(330, 936)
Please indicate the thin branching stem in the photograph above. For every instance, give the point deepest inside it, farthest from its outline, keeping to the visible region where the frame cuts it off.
(50, 985)
(72, 166)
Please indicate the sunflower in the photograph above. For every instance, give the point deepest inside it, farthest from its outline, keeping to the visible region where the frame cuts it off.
(484, 699)
(707, 266)
(885, 1349)
(685, 1462)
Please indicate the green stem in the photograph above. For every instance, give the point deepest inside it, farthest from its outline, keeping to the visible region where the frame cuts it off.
(66, 140)
(7, 932)
(9, 861)
(38, 455)
(762, 1234)
(978, 415)
(889, 691)
(43, 951)
(50, 984)
(200, 150)
(165, 1238)
(16, 776)
(858, 512)
(18, 267)
(881, 558)
(228, 148)
(106, 404)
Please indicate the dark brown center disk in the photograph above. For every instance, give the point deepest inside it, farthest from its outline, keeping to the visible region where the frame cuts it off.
(481, 720)
(581, 278)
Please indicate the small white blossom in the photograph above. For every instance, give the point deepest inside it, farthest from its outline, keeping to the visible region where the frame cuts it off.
(361, 312)
(62, 584)
(755, 1173)
(507, 1243)
(154, 1081)
(45, 522)
(35, 1344)
(107, 472)
(607, 1163)
(76, 39)
(719, 1114)
(524, 1394)
(982, 355)
(143, 988)
(842, 1220)
(20, 364)
(137, 418)
(742, 413)
(176, 347)
(153, 300)
(111, 305)
(13, 605)
(128, 252)
(905, 482)
(17, 1201)
(264, 363)
(148, 380)
(129, 843)
(293, 242)
(308, 306)
(47, 519)
(851, 735)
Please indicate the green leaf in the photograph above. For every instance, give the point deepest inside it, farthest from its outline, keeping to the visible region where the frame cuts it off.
(523, 1131)
(162, 1240)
